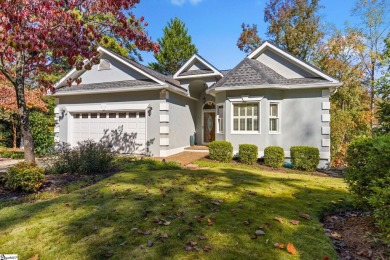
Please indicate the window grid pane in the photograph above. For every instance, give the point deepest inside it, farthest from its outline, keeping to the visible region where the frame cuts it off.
(245, 117)
(274, 117)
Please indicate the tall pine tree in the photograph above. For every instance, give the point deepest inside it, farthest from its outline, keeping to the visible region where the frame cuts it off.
(176, 48)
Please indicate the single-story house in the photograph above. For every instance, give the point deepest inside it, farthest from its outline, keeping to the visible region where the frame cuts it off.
(269, 98)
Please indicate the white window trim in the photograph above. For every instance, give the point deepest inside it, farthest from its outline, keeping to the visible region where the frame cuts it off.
(232, 118)
(217, 118)
(279, 117)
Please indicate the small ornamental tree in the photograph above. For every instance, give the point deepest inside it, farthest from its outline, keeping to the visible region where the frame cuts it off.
(36, 34)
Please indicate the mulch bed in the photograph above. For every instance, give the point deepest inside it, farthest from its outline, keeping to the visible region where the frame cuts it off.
(352, 234)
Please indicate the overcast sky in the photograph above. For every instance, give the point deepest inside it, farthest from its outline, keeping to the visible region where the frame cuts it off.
(215, 25)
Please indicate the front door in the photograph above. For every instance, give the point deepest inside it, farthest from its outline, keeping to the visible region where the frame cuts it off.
(208, 127)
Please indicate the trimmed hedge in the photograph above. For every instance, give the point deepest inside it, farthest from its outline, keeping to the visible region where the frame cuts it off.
(221, 151)
(368, 177)
(305, 157)
(25, 176)
(274, 156)
(248, 153)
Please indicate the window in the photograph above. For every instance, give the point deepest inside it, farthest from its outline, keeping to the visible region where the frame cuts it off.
(94, 115)
(122, 115)
(132, 115)
(112, 115)
(102, 115)
(77, 116)
(274, 117)
(220, 118)
(141, 114)
(84, 116)
(246, 117)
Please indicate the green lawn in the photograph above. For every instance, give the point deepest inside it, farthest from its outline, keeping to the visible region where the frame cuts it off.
(117, 216)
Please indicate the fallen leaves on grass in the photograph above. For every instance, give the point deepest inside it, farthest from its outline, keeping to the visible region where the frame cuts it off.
(304, 216)
(207, 248)
(291, 249)
(281, 220)
(294, 222)
(192, 245)
(279, 245)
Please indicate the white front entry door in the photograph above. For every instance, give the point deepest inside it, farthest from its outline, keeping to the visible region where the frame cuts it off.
(124, 131)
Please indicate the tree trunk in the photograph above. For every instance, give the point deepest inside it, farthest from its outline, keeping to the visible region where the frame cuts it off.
(24, 113)
(372, 96)
(14, 134)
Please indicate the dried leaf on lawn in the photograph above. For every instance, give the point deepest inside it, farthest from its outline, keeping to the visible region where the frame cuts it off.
(304, 216)
(291, 249)
(281, 220)
(294, 222)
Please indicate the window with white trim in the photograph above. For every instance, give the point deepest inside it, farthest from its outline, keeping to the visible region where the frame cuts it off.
(274, 117)
(246, 117)
(220, 119)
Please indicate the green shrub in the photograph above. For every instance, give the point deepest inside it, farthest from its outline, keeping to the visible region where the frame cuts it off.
(368, 177)
(12, 154)
(25, 176)
(43, 134)
(248, 153)
(87, 158)
(305, 157)
(274, 156)
(221, 151)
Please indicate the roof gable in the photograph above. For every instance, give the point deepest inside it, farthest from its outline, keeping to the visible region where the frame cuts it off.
(286, 63)
(135, 71)
(196, 66)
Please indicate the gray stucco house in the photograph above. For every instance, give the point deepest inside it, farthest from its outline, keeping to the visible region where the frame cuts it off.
(269, 98)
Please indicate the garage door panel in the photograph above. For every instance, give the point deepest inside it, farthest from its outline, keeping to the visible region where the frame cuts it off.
(132, 129)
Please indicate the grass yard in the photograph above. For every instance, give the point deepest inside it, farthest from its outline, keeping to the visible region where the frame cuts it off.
(144, 212)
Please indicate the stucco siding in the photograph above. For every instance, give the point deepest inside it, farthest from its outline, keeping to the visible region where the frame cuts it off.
(300, 120)
(118, 72)
(182, 114)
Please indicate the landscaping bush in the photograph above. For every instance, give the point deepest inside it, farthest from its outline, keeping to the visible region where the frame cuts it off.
(42, 131)
(87, 158)
(248, 153)
(25, 176)
(368, 177)
(274, 156)
(221, 151)
(305, 157)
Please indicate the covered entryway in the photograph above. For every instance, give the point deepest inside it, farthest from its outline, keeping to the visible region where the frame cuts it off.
(125, 132)
(208, 122)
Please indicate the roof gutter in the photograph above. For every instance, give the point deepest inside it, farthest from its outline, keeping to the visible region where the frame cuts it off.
(275, 86)
(121, 90)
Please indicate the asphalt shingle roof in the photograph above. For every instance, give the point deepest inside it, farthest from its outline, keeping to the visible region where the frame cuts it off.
(252, 72)
(107, 85)
(196, 72)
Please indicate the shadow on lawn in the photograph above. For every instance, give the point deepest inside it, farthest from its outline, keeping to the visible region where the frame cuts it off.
(115, 216)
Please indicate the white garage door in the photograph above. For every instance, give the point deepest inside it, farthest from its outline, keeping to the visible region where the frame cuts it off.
(125, 131)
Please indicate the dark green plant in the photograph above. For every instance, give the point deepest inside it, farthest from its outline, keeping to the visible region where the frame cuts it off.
(305, 158)
(221, 151)
(25, 177)
(42, 128)
(176, 48)
(368, 176)
(248, 153)
(87, 158)
(274, 156)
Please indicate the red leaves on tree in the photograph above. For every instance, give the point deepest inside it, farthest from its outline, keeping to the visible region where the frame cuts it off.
(42, 31)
